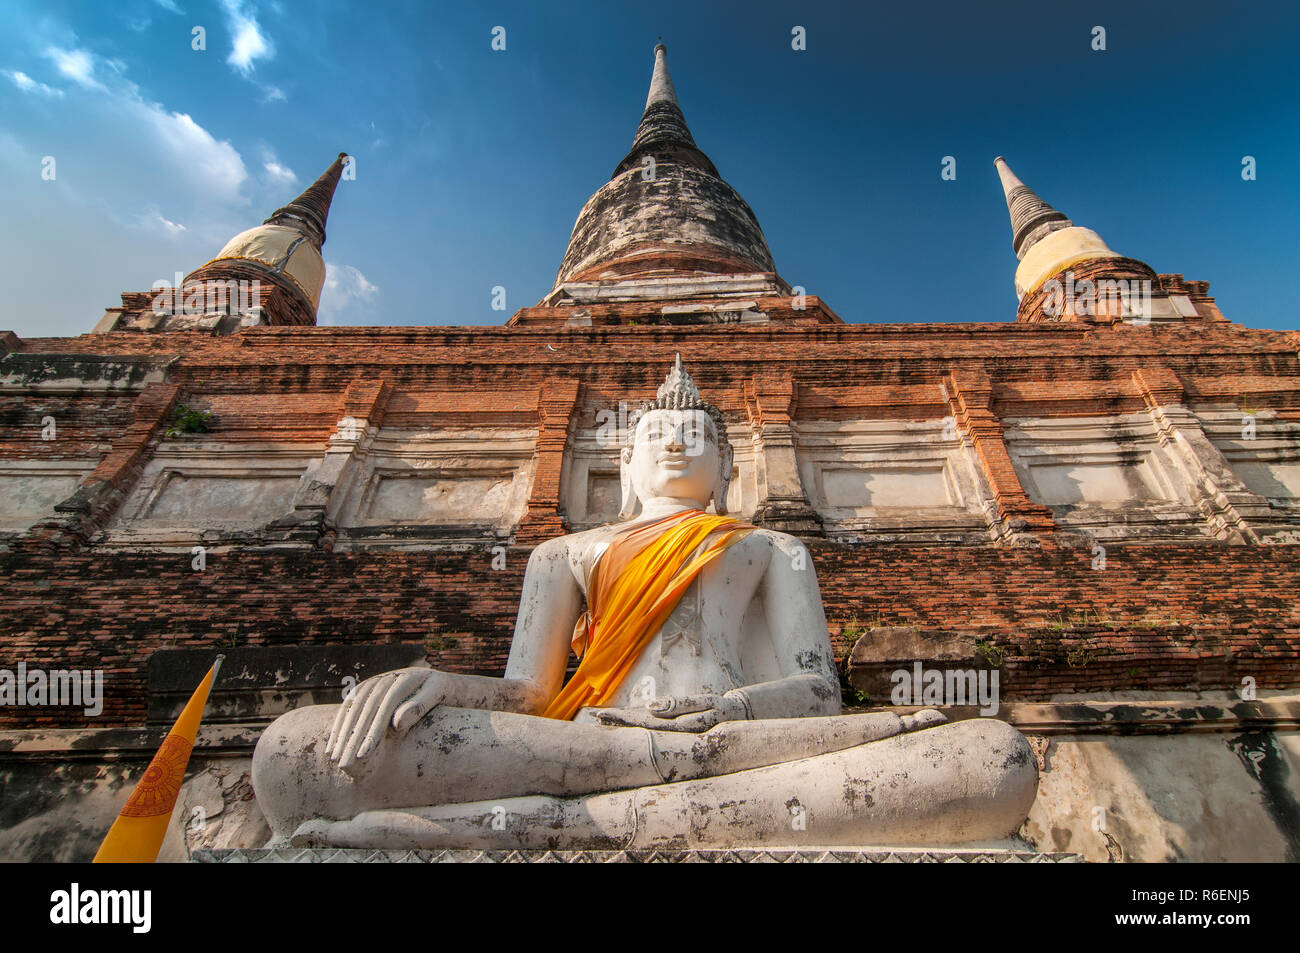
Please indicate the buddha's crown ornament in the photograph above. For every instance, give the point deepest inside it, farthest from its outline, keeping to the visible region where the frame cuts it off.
(678, 392)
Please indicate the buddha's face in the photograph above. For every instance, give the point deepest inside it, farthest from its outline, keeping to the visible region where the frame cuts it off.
(675, 453)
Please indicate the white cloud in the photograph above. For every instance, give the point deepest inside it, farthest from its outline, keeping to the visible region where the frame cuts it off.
(348, 296)
(157, 221)
(216, 165)
(197, 157)
(278, 172)
(169, 5)
(124, 154)
(29, 85)
(77, 65)
(273, 94)
(249, 43)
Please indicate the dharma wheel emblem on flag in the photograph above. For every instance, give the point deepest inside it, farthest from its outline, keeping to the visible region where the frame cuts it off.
(158, 789)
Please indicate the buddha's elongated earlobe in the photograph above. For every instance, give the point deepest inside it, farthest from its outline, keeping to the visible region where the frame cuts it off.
(725, 457)
(628, 502)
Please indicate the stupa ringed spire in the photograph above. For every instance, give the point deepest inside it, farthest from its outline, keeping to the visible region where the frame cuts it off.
(662, 132)
(310, 210)
(1031, 217)
(661, 83)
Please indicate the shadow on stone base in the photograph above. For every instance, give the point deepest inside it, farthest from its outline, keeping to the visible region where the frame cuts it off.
(842, 855)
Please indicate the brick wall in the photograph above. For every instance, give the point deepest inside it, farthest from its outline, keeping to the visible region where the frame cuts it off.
(1159, 617)
(85, 424)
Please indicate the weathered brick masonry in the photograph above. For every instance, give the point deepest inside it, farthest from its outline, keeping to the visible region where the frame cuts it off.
(1096, 493)
(1148, 562)
(1160, 615)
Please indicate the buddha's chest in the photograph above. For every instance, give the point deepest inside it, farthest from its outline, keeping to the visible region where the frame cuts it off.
(699, 647)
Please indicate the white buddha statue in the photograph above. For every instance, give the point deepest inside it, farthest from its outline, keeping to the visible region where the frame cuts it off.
(704, 712)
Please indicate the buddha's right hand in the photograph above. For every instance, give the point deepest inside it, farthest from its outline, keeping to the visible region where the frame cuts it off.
(399, 698)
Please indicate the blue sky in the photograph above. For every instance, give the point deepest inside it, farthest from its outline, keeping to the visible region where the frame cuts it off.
(472, 164)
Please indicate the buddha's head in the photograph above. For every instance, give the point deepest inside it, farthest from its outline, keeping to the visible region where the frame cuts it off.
(677, 449)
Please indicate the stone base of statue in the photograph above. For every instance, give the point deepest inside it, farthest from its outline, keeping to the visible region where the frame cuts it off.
(835, 855)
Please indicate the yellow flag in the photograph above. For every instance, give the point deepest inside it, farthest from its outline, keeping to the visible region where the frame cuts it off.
(137, 834)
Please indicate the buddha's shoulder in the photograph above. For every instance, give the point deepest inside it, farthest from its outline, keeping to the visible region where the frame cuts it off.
(573, 546)
(769, 541)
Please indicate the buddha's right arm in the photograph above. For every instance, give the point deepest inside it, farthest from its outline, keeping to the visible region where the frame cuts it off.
(549, 607)
(492, 694)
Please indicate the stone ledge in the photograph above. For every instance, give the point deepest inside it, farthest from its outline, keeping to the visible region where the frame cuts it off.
(1193, 713)
(62, 745)
(72, 371)
(845, 855)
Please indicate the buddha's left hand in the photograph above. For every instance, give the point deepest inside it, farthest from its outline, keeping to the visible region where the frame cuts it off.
(678, 713)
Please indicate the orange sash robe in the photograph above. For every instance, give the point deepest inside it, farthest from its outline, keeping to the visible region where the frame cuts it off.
(633, 588)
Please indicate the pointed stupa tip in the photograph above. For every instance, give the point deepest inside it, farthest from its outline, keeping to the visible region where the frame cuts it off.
(1031, 217)
(663, 132)
(661, 82)
(313, 205)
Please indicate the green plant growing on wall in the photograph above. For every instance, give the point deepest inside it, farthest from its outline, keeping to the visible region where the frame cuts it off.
(189, 420)
(850, 632)
(1084, 617)
(990, 652)
(439, 643)
(1153, 620)
(1079, 656)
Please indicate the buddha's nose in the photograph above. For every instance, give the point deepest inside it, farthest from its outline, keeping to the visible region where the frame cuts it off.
(675, 440)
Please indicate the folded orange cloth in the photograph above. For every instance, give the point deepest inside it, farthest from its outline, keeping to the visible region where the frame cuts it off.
(632, 589)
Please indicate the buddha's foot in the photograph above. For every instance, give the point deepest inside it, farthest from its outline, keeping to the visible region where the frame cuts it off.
(925, 718)
(317, 833)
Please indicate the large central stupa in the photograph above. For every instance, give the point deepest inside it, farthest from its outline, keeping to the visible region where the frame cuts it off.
(665, 210)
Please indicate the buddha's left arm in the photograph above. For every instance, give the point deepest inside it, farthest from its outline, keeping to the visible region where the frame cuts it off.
(797, 623)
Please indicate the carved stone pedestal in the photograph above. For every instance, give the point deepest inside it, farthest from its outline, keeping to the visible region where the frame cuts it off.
(840, 855)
